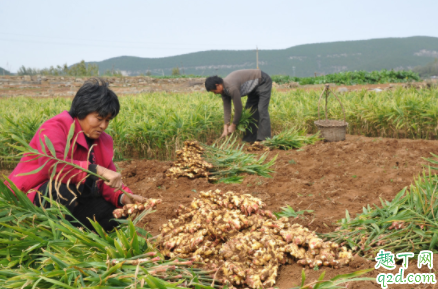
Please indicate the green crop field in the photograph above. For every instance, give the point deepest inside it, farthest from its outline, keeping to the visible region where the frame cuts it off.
(352, 77)
(153, 125)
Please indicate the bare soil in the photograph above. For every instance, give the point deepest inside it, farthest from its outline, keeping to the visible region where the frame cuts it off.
(67, 86)
(60, 86)
(327, 178)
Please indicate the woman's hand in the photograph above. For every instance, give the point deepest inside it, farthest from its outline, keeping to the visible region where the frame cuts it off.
(114, 178)
(133, 199)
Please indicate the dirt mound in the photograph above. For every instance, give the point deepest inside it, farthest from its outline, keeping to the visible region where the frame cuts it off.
(328, 178)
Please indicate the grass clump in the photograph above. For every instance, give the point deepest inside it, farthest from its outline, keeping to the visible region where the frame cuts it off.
(289, 212)
(291, 139)
(39, 248)
(229, 161)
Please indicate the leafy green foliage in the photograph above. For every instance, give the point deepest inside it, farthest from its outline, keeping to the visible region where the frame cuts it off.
(26, 129)
(352, 77)
(229, 161)
(289, 212)
(154, 125)
(245, 120)
(291, 139)
(40, 248)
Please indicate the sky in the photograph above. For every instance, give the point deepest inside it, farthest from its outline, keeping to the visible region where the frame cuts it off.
(42, 33)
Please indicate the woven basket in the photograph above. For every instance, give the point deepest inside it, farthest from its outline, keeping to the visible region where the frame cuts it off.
(331, 130)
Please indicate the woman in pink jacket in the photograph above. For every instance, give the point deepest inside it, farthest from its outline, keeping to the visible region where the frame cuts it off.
(92, 109)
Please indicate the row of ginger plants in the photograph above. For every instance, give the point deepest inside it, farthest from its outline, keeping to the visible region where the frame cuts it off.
(154, 125)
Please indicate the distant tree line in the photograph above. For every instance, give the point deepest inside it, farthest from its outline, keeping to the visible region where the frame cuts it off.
(428, 70)
(79, 69)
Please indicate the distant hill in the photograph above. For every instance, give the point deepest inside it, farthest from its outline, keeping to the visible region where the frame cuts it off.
(321, 58)
(4, 71)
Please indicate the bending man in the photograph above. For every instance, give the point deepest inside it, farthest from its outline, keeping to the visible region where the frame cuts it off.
(257, 85)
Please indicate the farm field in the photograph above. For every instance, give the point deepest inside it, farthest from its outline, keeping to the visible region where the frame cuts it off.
(51, 85)
(66, 86)
(389, 134)
(327, 178)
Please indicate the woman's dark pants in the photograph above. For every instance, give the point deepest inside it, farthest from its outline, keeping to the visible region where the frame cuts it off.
(83, 207)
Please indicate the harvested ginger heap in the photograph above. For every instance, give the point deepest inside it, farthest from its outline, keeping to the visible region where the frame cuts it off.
(189, 162)
(232, 233)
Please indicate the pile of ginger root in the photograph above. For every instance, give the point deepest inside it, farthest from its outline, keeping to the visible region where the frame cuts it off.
(246, 244)
(133, 210)
(190, 163)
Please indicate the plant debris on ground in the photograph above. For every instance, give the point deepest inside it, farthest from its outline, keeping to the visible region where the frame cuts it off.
(223, 163)
(291, 139)
(285, 140)
(289, 212)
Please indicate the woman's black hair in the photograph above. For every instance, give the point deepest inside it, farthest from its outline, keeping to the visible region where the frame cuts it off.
(210, 82)
(95, 96)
